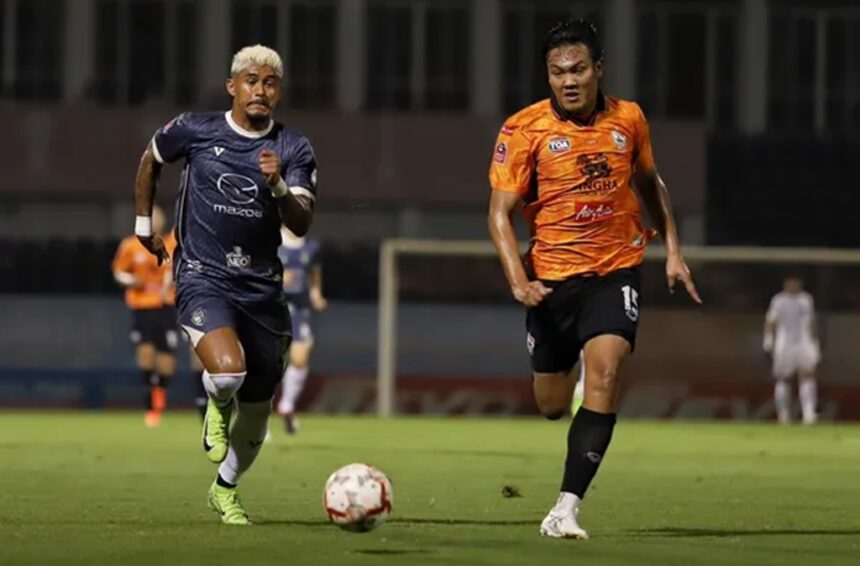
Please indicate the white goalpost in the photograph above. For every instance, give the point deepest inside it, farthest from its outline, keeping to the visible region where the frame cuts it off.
(392, 249)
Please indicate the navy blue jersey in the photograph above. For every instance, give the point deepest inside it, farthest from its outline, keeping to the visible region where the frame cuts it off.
(297, 262)
(228, 225)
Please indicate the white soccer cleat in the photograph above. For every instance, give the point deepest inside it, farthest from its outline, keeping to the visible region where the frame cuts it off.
(561, 523)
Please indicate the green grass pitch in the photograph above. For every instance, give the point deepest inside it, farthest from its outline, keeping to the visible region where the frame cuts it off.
(99, 488)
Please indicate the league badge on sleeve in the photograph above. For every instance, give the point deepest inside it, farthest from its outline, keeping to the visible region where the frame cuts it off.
(501, 154)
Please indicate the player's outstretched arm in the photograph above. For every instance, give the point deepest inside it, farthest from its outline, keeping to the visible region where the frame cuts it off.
(296, 210)
(656, 197)
(145, 183)
(318, 301)
(502, 207)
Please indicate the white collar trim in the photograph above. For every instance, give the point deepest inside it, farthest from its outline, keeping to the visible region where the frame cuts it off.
(247, 133)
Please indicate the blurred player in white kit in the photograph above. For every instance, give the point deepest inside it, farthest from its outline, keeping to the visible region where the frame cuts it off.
(790, 336)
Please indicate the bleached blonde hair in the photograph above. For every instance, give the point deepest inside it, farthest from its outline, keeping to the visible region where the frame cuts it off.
(257, 55)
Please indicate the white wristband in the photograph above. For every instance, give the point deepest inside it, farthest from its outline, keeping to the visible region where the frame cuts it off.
(281, 189)
(143, 226)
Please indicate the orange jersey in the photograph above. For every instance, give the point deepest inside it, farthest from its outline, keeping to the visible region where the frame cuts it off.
(132, 258)
(167, 269)
(576, 184)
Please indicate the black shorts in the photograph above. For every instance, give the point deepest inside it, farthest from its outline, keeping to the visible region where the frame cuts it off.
(577, 310)
(155, 326)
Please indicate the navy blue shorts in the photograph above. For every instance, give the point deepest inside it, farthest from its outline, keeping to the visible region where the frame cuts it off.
(263, 330)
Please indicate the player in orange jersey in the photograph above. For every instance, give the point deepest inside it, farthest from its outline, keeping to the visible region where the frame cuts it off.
(153, 333)
(571, 163)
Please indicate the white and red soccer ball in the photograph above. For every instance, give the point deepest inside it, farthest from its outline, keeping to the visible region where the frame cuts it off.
(358, 498)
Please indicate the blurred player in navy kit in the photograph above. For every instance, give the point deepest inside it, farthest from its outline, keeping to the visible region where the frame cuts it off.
(303, 288)
(244, 176)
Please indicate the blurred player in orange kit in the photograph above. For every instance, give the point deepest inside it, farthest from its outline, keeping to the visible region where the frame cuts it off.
(571, 162)
(153, 329)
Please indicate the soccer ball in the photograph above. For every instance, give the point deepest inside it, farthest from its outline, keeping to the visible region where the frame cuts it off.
(358, 498)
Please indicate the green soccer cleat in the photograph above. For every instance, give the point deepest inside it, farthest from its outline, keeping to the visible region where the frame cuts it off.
(225, 501)
(216, 425)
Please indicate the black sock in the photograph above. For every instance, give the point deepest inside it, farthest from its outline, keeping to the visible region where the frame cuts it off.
(224, 483)
(150, 378)
(587, 442)
(164, 380)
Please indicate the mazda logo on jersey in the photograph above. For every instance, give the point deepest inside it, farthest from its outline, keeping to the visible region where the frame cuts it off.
(238, 189)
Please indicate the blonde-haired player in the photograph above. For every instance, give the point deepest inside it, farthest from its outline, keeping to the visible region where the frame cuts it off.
(790, 336)
(245, 175)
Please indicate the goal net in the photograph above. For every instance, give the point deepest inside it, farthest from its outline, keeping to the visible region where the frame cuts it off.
(446, 317)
